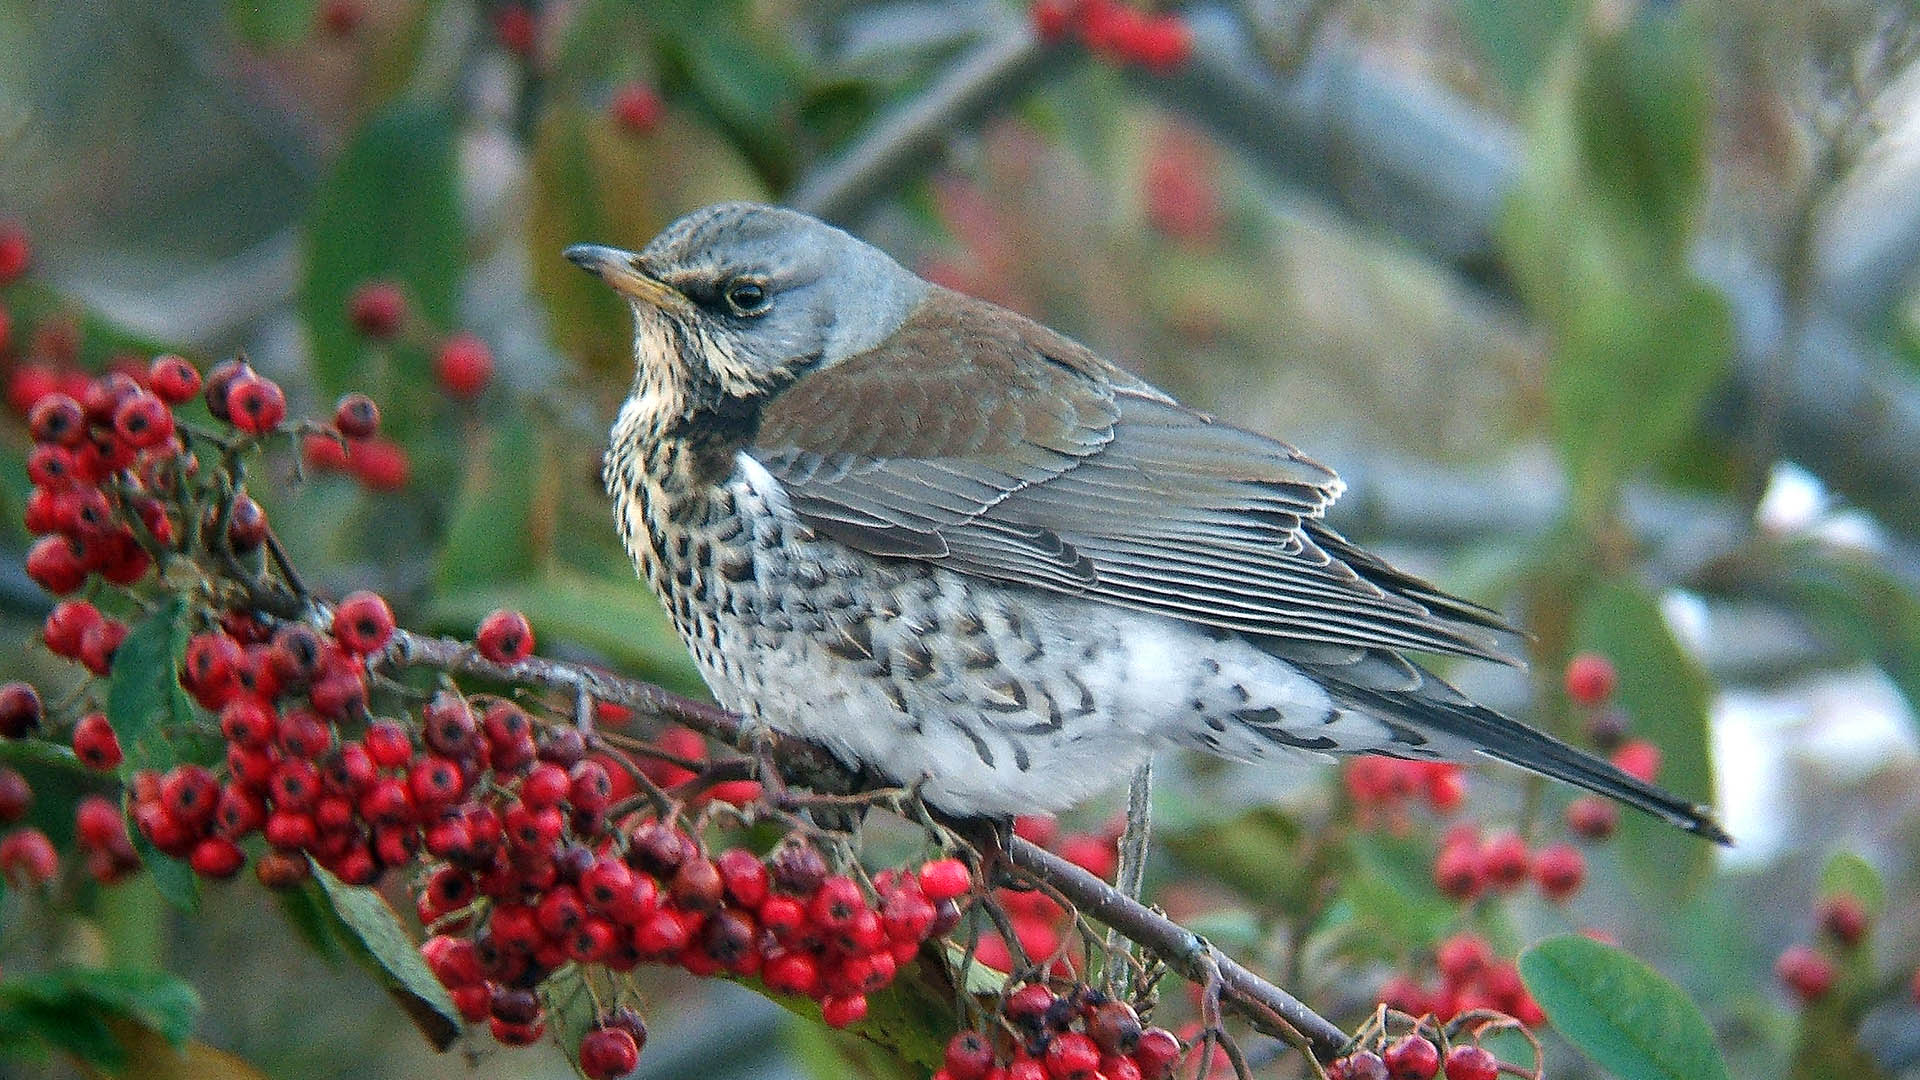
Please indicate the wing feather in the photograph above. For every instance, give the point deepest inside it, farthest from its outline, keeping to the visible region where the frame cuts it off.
(998, 448)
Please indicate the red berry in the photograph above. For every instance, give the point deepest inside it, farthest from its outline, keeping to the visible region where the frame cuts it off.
(607, 1053)
(1462, 957)
(744, 877)
(16, 795)
(246, 525)
(797, 868)
(637, 108)
(19, 710)
(1639, 759)
(255, 405)
(841, 1010)
(1362, 1065)
(1559, 870)
(792, 973)
(505, 637)
(1412, 1057)
(378, 309)
(362, 623)
(57, 418)
(1456, 872)
(379, 465)
(356, 416)
(1590, 679)
(1114, 1027)
(464, 365)
(1503, 861)
(342, 17)
(945, 879)
(1072, 1056)
(1051, 18)
(515, 28)
(95, 744)
(97, 823)
(173, 378)
(1472, 1063)
(144, 421)
(1592, 817)
(27, 857)
(99, 644)
(56, 564)
(217, 857)
(16, 251)
(388, 744)
(1157, 1053)
(969, 1056)
(1844, 919)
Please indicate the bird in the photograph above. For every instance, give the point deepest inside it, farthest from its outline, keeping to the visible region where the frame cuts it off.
(964, 553)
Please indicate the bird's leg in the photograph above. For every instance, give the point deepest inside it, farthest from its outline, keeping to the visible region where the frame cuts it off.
(1133, 867)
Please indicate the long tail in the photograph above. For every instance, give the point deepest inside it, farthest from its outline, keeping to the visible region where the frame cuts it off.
(1516, 743)
(1394, 688)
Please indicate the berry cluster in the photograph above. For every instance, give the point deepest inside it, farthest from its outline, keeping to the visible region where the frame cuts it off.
(654, 894)
(1381, 787)
(1470, 978)
(1075, 1034)
(1471, 866)
(1809, 972)
(1116, 31)
(1415, 1057)
(462, 362)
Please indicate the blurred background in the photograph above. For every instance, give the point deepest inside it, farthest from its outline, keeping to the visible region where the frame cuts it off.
(1607, 311)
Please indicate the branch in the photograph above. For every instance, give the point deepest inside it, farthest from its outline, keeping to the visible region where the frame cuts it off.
(1268, 1008)
(910, 139)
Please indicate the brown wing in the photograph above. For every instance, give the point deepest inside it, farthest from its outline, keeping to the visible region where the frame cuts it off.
(1003, 450)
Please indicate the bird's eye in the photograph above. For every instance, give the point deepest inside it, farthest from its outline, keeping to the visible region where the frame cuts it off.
(746, 296)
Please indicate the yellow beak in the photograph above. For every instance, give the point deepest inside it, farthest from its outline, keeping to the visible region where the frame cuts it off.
(618, 270)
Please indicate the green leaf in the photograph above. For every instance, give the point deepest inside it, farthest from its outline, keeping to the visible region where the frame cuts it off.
(1860, 607)
(1847, 874)
(1518, 36)
(496, 535)
(390, 210)
(1642, 101)
(386, 948)
(1390, 894)
(1623, 1014)
(1666, 695)
(143, 692)
(746, 83)
(70, 1008)
(1637, 358)
(593, 182)
(173, 879)
(271, 22)
(310, 915)
(619, 619)
(1254, 854)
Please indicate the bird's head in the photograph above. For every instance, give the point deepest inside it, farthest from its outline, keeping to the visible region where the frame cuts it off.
(738, 300)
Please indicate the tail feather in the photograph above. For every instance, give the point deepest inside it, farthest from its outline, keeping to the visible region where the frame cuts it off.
(1453, 721)
(1515, 743)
